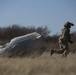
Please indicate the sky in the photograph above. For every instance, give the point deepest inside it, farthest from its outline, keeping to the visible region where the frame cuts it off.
(51, 13)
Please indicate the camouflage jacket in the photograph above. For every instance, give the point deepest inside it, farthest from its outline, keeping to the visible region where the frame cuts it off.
(65, 34)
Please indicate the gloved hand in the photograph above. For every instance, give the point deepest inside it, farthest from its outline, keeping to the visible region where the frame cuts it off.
(71, 42)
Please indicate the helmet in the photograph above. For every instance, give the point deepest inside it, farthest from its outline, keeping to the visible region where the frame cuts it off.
(68, 24)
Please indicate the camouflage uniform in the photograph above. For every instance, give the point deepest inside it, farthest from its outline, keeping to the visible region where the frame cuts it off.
(64, 38)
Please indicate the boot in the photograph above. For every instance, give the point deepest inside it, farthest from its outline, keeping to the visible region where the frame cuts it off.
(52, 51)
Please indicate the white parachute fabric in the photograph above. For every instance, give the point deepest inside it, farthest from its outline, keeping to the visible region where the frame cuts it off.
(23, 45)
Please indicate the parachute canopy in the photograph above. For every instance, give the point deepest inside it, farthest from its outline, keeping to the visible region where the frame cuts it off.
(28, 44)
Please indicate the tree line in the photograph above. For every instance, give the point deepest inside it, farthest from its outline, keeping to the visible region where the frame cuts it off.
(8, 33)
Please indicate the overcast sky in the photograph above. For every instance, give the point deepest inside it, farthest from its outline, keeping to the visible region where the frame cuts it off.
(53, 13)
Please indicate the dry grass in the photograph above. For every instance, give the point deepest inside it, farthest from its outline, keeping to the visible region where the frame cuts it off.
(43, 65)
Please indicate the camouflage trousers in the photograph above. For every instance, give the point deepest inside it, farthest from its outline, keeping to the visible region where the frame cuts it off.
(64, 48)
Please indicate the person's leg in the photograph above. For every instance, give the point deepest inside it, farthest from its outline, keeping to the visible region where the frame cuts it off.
(59, 51)
(66, 52)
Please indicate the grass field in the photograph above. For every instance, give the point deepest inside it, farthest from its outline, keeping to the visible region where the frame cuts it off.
(43, 65)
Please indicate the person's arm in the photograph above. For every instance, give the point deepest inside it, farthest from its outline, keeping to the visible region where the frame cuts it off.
(69, 37)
